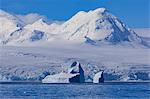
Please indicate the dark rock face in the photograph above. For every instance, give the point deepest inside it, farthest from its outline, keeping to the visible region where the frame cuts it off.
(37, 35)
(76, 68)
(74, 64)
(75, 79)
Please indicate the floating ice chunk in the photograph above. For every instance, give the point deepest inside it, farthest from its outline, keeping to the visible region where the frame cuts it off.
(59, 78)
(98, 77)
(75, 75)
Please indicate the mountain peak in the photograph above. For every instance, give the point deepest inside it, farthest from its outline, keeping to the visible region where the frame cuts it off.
(97, 25)
(41, 21)
(99, 10)
(93, 24)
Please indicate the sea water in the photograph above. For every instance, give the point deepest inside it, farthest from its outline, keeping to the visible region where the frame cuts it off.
(75, 91)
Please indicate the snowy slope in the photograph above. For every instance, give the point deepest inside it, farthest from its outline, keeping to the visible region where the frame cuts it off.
(41, 25)
(144, 32)
(8, 24)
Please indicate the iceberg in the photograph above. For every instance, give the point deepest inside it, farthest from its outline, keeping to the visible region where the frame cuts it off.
(98, 77)
(59, 78)
(75, 75)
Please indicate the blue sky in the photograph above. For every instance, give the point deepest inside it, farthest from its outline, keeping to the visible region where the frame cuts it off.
(134, 13)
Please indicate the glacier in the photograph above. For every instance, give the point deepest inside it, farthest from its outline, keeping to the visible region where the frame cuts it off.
(97, 39)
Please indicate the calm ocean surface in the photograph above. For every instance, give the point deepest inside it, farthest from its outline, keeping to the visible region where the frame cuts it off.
(75, 91)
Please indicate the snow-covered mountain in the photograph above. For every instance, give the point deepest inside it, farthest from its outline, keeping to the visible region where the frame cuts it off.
(8, 24)
(38, 31)
(96, 27)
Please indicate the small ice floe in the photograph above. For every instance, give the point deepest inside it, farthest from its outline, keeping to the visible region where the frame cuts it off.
(75, 75)
(98, 77)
